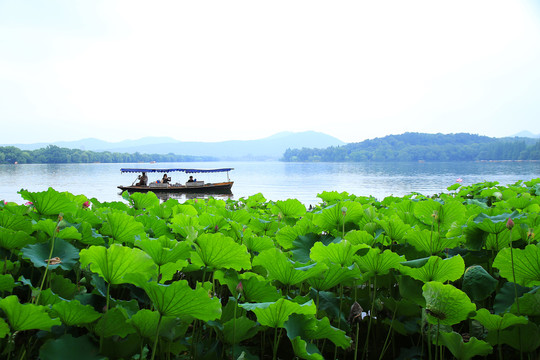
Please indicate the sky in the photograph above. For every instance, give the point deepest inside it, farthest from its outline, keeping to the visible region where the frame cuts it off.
(219, 70)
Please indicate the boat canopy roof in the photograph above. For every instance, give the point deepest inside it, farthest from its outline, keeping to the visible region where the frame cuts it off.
(187, 171)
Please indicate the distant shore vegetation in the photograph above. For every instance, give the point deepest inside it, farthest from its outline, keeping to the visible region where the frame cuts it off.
(423, 147)
(53, 154)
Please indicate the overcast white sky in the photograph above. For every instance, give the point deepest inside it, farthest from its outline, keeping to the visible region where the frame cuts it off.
(237, 70)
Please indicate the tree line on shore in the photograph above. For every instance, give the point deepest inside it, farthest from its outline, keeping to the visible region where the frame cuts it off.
(423, 147)
(53, 154)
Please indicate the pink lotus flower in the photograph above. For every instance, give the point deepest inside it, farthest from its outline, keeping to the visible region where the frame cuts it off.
(239, 287)
(86, 204)
(459, 180)
(509, 224)
(28, 203)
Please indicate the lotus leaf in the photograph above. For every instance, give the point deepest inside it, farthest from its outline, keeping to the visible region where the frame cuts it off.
(335, 216)
(338, 253)
(478, 283)
(529, 304)
(335, 275)
(310, 328)
(445, 304)
(154, 226)
(303, 244)
(357, 237)
(258, 243)
(262, 226)
(497, 322)
(432, 212)
(179, 300)
(289, 208)
(63, 286)
(243, 329)
(437, 269)
(73, 313)
(280, 268)
(169, 270)
(430, 242)
(122, 227)
(217, 251)
(114, 323)
(146, 322)
(15, 222)
(525, 338)
(117, 261)
(50, 202)
(255, 200)
(464, 350)
(164, 250)
(526, 265)
(4, 328)
(493, 224)
(144, 200)
(55, 349)
(64, 255)
(286, 235)
(26, 316)
(10, 239)
(377, 263)
(212, 222)
(274, 314)
(394, 228)
(6, 282)
(506, 296)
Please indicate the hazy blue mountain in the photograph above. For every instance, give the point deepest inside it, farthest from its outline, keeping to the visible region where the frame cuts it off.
(527, 134)
(269, 148)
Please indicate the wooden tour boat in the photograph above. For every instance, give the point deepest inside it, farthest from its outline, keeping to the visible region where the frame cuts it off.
(191, 186)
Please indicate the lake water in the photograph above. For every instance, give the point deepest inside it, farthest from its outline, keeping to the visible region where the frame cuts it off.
(275, 180)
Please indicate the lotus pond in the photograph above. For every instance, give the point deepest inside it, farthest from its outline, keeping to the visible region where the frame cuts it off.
(454, 275)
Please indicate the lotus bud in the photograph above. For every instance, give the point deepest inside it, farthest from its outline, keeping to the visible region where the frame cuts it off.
(435, 215)
(344, 211)
(60, 217)
(459, 180)
(216, 228)
(509, 224)
(28, 203)
(240, 287)
(86, 204)
(530, 234)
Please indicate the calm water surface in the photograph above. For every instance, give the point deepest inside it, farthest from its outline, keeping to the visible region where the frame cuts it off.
(275, 180)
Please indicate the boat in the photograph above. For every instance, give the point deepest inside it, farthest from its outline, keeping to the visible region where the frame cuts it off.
(190, 186)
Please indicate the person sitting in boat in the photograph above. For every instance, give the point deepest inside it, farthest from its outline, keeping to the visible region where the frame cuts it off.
(143, 180)
(165, 179)
(191, 179)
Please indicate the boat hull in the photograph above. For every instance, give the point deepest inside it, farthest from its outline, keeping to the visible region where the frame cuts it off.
(215, 188)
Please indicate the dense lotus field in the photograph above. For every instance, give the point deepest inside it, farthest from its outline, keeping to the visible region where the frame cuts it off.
(449, 276)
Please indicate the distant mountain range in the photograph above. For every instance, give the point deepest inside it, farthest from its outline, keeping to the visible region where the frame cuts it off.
(527, 134)
(269, 148)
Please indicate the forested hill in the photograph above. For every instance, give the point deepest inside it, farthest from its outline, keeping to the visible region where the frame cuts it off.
(423, 147)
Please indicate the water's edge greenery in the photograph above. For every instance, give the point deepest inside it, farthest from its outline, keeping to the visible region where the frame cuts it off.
(412, 277)
(53, 154)
(423, 147)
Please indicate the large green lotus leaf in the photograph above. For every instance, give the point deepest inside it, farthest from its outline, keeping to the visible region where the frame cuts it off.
(242, 329)
(154, 226)
(338, 253)
(4, 328)
(254, 201)
(15, 222)
(446, 304)
(258, 243)
(74, 313)
(168, 270)
(184, 209)
(164, 250)
(304, 350)
(280, 268)
(63, 286)
(38, 254)
(50, 202)
(286, 235)
(464, 350)
(310, 328)
(7, 283)
(377, 263)
(26, 316)
(394, 227)
(263, 227)
(526, 265)
(333, 276)
(254, 288)
(117, 261)
(274, 314)
(10, 239)
(65, 230)
(497, 322)
(185, 226)
(357, 237)
(289, 208)
(240, 216)
(303, 244)
(179, 300)
(144, 200)
(430, 242)
(212, 222)
(114, 323)
(55, 349)
(529, 304)
(493, 224)
(437, 269)
(525, 338)
(478, 283)
(146, 322)
(501, 240)
(217, 251)
(432, 212)
(506, 296)
(122, 227)
(89, 235)
(334, 216)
